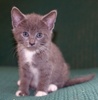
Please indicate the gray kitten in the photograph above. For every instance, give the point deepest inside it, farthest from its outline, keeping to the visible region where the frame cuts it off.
(41, 64)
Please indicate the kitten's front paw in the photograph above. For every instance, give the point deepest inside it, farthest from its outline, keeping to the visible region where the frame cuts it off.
(40, 93)
(18, 82)
(20, 93)
(52, 88)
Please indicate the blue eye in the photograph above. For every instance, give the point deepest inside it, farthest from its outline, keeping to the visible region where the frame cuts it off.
(25, 34)
(39, 35)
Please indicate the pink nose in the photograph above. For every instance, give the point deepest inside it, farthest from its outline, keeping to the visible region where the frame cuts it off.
(31, 43)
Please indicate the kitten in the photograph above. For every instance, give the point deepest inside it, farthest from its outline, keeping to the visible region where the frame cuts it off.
(41, 64)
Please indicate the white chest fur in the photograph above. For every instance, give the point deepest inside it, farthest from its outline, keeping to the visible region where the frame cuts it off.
(29, 56)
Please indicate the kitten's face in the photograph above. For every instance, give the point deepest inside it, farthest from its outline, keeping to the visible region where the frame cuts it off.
(31, 34)
(32, 31)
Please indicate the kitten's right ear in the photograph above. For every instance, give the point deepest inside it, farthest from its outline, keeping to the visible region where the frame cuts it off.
(17, 16)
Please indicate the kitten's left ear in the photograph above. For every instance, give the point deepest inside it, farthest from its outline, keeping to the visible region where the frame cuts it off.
(50, 19)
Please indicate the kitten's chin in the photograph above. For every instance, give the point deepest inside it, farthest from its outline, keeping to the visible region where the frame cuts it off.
(31, 48)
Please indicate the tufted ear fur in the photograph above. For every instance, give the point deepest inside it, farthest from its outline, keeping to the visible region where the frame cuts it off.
(50, 18)
(17, 16)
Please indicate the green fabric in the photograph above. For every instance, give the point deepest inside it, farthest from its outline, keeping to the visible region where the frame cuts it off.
(76, 29)
(85, 91)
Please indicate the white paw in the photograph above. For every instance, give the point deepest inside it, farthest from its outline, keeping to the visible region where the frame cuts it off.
(40, 93)
(18, 82)
(52, 88)
(19, 93)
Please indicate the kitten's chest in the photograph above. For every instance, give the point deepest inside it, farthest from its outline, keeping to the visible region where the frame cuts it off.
(29, 59)
(28, 56)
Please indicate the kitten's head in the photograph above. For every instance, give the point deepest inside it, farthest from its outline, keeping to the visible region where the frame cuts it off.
(32, 30)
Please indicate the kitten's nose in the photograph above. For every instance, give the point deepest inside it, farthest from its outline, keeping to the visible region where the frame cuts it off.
(31, 43)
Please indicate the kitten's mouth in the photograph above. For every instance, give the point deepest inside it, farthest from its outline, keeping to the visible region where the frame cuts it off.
(42, 44)
(31, 47)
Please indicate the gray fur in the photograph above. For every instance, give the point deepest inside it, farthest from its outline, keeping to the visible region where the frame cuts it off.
(47, 61)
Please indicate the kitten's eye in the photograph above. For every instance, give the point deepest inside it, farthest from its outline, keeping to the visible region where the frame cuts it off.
(25, 34)
(39, 35)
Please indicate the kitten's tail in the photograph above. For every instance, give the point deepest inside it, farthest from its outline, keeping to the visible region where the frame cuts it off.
(79, 80)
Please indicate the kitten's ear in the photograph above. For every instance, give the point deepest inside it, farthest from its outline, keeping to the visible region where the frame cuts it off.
(50, 19)
(17, 16)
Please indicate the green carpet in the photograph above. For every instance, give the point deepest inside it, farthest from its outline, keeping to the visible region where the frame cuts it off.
(85, 91)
